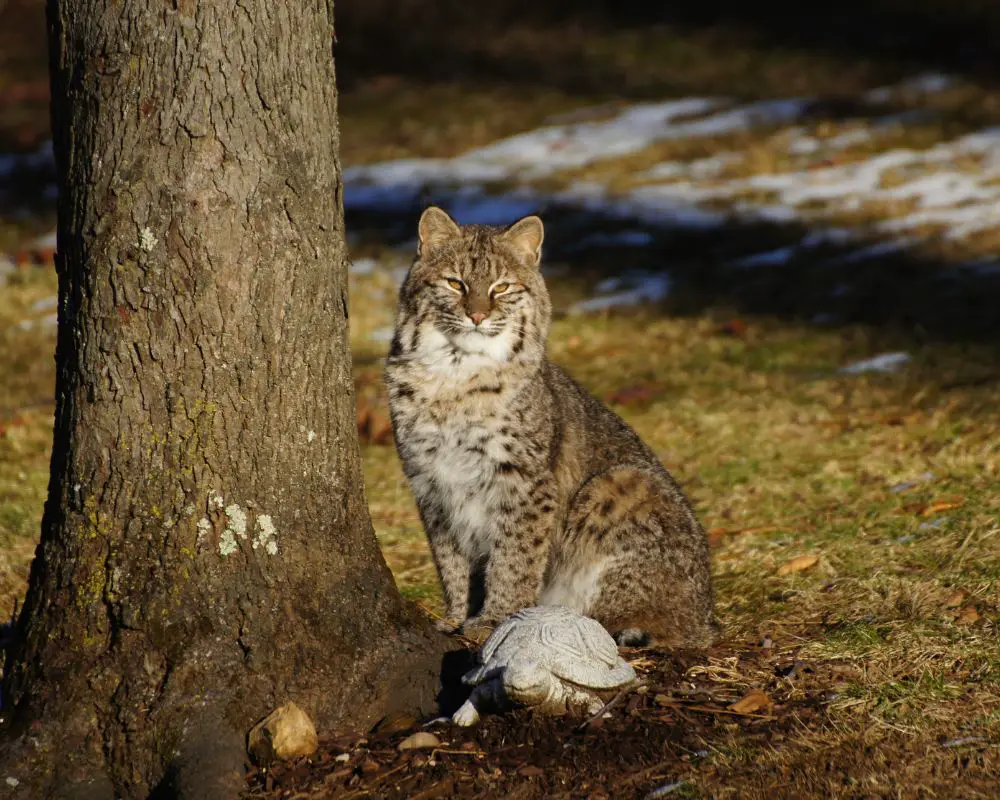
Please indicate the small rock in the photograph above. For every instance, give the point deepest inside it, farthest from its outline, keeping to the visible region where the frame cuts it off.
(662, 700)
(419, 741)
(343, 758)
(287, 732)
(12, 782)
(370, 766)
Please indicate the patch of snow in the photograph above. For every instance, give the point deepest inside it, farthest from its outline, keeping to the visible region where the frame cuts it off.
(648, 289)
(884, 363)
(7, 266)
(700, 168)
(400, 184)
(928, 83)
(691, 194)
(982, 267)
(771, 258)
(835, 236)
(46, 303)
(363, 266)
(906, 485)
(46, 242)
(665, 171)
(625, 238)
(807, 145)
(474, 207)
(873, 251)
(42, 158)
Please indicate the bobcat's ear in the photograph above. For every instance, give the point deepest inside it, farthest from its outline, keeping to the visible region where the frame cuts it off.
(435, 227)
(526, 237)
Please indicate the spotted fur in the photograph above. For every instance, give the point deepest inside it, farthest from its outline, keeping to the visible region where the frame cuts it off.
(530, 490)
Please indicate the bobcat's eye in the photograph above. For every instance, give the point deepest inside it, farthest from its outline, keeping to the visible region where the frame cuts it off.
(456, 284)
(500, 288)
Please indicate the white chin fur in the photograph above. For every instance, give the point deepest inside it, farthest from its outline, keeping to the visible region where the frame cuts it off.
(475, 343)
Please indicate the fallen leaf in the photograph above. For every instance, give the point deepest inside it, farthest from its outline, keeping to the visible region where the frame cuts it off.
(530, 771)
(955, 600)
(662, 700)
(631, 395)
(941, 505)
(419, 741)
(364, 420)
(967, 616)
(798, 564)
(381, 429)
(734, 327)
(395, 723)
(715, 536)
(573, 342)
(751, 703)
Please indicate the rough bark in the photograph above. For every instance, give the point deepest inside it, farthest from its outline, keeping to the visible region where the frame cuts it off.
(206, 549)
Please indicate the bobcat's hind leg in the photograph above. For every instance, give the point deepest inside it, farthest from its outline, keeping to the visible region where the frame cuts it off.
(633, 556)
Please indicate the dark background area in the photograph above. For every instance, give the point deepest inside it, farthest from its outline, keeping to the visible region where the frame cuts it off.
(423, 77)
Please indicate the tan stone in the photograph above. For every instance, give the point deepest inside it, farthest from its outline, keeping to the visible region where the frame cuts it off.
(287, 732)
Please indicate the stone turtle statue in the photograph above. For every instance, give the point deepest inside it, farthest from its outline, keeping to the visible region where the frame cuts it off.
(547, 657)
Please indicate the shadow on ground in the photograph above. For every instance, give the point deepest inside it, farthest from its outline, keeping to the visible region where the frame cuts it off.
(553, 42)
(911, 297)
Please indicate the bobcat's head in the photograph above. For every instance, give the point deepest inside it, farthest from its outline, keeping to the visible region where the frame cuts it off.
(475, 289)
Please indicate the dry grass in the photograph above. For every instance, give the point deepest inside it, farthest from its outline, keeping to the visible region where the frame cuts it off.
(27, 378)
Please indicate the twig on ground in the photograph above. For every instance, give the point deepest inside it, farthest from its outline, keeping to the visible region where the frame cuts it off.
(607, 705)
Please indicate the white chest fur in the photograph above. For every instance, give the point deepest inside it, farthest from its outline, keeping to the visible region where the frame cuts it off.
(454, 467)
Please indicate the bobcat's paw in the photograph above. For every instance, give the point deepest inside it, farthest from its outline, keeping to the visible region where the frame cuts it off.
(478, 629)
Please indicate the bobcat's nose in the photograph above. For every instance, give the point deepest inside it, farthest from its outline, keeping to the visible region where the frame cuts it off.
(477, 317)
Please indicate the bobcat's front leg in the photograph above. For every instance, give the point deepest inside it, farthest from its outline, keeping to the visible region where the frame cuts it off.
(525, 525)
(452, 565)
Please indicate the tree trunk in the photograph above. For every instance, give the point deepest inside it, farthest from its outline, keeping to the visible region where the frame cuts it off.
(206, 549)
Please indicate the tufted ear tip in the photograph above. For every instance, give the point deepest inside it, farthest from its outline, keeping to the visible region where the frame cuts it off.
(435, 227)
(526, 236)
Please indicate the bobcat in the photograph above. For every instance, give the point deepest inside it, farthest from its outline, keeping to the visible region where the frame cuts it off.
(531, 490)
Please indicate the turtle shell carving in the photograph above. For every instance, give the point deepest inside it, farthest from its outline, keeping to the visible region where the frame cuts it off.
(550, 657)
